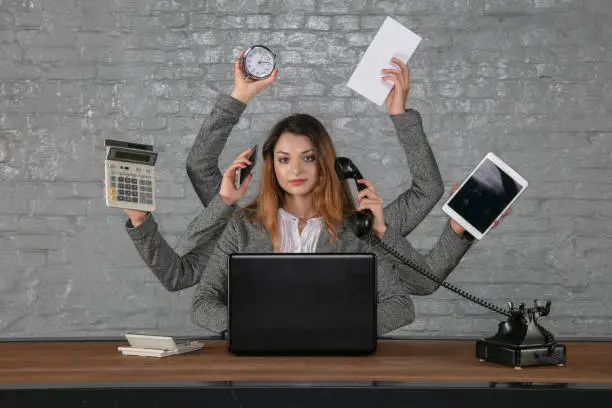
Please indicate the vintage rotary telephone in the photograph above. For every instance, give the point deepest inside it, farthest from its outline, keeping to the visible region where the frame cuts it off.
(520, 340)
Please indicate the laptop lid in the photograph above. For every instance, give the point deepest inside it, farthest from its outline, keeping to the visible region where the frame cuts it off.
(302, 303)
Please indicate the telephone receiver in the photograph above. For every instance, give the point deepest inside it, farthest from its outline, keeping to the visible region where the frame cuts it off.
(360, 221)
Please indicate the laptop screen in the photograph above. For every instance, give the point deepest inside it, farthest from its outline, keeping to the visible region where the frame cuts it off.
(302, 303)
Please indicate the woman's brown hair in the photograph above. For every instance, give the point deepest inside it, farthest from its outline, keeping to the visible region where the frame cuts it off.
(332, 197)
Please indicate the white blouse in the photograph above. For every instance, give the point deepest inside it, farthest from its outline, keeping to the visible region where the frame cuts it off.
(291, 239)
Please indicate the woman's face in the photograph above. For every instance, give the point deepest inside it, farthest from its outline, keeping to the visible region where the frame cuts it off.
(295, 164)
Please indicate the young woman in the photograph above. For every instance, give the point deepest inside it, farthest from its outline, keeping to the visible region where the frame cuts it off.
(301, 206)
(404, 213)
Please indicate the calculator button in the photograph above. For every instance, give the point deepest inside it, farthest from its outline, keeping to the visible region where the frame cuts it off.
(121, 192)
(112, 190)
(121, 179)
(113, 178)
(113, 184)
(120, 198)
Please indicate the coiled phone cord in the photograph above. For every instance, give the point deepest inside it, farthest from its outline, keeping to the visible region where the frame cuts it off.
(373, 240)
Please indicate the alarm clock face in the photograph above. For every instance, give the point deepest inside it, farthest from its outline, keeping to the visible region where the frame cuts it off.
(258, 62)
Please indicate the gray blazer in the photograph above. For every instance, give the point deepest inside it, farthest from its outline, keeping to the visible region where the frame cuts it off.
(396, 281)
(207, 231)
(404, 213)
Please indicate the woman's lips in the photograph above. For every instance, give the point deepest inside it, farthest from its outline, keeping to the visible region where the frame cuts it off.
(297, 182)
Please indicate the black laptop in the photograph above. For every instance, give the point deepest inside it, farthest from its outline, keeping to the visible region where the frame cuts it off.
(302, 304)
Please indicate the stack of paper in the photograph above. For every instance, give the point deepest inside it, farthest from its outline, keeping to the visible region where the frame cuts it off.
(157, 346)
(135, 351)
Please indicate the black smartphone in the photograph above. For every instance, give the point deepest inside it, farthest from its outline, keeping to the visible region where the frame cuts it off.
(242, 173)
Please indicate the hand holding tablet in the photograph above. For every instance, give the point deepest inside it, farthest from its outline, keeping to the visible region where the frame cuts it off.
(485, 196)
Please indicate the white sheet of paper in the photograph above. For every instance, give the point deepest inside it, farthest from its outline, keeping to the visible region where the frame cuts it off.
(391, 40)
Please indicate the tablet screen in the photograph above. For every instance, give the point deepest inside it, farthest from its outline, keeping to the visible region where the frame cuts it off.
(484, 195)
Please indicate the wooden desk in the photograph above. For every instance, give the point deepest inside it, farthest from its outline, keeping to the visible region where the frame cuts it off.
(395, 360)
(408, 363)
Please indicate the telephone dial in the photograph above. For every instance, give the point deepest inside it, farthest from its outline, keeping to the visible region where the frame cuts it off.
(520, 340)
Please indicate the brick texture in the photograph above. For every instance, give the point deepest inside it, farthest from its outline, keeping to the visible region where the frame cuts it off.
(527, 79)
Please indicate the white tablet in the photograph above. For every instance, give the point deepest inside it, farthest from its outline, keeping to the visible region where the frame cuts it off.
(485, 194)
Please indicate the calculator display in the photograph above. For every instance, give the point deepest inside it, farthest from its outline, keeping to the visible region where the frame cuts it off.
(123, 155)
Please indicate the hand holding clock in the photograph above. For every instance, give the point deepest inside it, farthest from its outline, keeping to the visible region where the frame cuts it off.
(245, 89)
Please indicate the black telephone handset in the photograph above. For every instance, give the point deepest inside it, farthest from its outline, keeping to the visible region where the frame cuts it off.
(520, 340)
(360, 221)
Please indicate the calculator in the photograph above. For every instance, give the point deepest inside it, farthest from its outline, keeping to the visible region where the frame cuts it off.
(129, 174)
(147, 341)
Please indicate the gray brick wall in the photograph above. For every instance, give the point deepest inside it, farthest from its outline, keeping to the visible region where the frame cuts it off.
(528, 79)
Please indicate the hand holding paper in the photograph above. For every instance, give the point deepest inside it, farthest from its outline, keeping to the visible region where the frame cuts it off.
(396, 100)
(391, 40)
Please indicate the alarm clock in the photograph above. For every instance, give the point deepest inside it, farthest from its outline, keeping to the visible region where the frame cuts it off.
(258, 62)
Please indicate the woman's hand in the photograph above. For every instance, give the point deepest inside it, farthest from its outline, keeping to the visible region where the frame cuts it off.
(228, 191)
(245, 89)
(396, 100)
(137, 217)
(367, 198)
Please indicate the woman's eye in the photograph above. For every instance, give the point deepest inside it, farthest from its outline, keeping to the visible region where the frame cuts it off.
(310, 158)
(283, 160)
